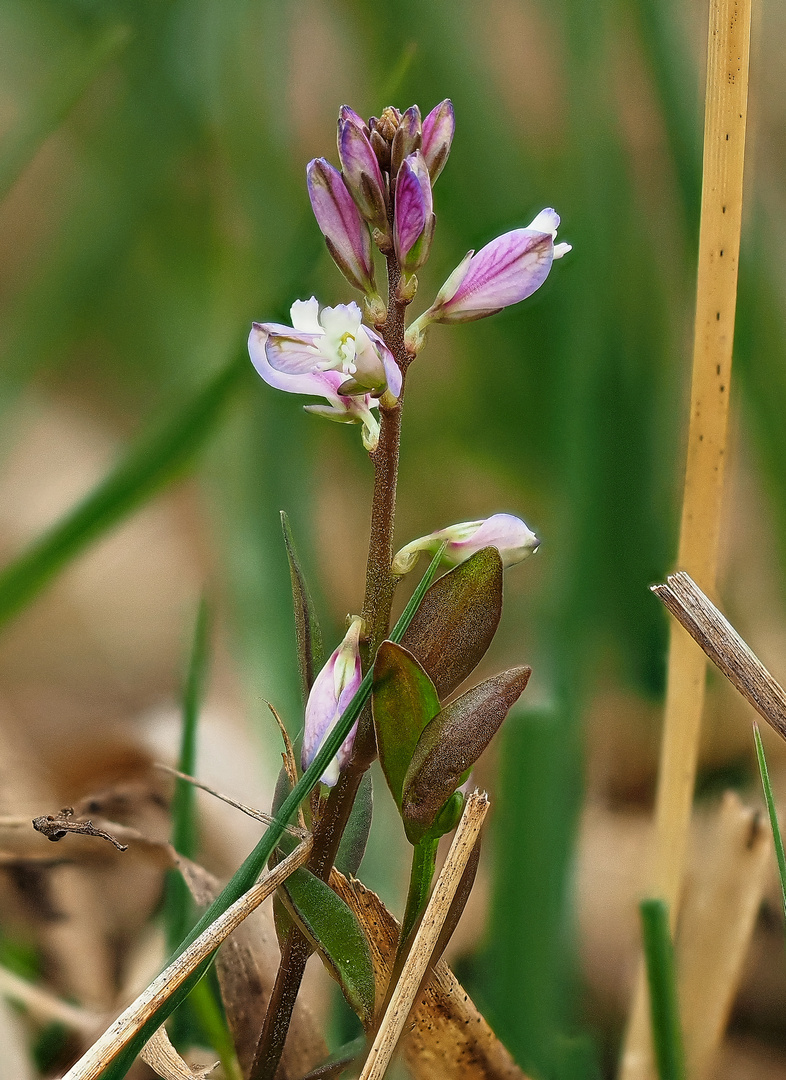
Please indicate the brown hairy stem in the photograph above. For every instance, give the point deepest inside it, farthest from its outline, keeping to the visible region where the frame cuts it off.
(377, 602)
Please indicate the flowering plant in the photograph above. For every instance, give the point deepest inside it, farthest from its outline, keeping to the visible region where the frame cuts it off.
(384, 693)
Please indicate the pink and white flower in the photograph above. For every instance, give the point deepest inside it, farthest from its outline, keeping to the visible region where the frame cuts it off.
(333, 689)
(508, 534)
(328, 354)
(504, 272)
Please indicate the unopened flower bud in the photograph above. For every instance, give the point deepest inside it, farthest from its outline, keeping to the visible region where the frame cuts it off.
(346, 234)
(509, 535)
(438, 129)
(333, 689)
(345, 113)
(406, 140)
(381, 150)
(413, 226)
(388, 123)
(362, 175)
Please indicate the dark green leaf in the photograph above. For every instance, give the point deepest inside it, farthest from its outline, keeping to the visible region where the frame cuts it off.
(307, 631)
(335, 933)
(457, 620)
(452, 743)
(353, 843)
(661, 978)
(149, 465)
(404, 700)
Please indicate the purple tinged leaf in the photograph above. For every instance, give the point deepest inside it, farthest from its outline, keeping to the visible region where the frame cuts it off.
(362, 175)
(353, 843)
(346, 234)
(452, 743)
(457, 620)
(438, 130)
(404, 700)
(406, 140)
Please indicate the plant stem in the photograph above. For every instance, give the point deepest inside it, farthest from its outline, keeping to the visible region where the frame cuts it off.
(377, 602)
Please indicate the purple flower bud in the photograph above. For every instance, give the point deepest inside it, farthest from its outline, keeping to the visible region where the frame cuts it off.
(333, 689)
(507, 270)
(508, 534)
(413, 226)
(406, 140)
(346, 234)
(345, 113)
(362, 175)
(438, 129)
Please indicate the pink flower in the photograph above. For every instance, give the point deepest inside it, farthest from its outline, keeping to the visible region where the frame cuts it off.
(328, 354)
(509, 535)
(333, 689)
(505, 271)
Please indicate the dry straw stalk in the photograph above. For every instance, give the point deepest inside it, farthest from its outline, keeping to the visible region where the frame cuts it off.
(719, 244)
(426, 938)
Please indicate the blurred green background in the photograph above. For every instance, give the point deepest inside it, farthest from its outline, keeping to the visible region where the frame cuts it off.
(152, 160)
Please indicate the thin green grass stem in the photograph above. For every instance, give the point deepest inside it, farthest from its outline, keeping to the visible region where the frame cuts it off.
(776, 829)
(424, 857)
(661, 978)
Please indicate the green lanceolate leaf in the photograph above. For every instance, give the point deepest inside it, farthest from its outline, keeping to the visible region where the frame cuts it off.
(457, 620)
(452, 743)
(335, 933)
(149, 465)
(307, 631)
(353, 843)
(404, 700)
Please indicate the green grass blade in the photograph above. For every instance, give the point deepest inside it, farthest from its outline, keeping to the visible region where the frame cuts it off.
(252, 867)
(664, 1005)
(184, 832)
(20, 145)
(776, 829)
(178, 907)
(149, 465)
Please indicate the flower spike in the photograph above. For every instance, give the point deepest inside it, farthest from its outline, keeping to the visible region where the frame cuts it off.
(509, 535)
(346, 234)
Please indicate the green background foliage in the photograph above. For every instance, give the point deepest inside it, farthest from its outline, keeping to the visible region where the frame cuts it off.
(153, 154)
